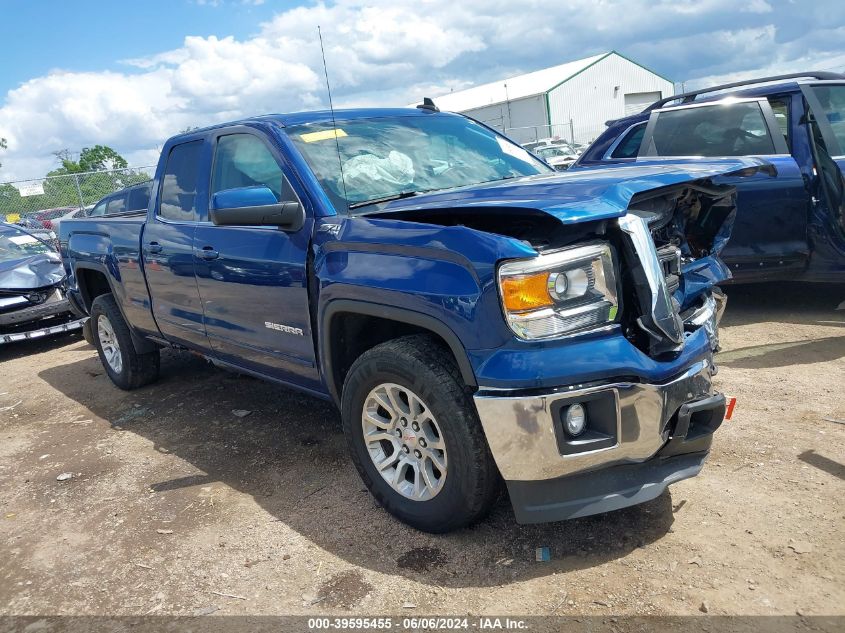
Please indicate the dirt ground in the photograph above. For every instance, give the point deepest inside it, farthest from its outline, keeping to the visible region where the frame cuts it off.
(178, 506)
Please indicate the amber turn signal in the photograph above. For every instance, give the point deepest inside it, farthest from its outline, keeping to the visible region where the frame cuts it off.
(526, 292)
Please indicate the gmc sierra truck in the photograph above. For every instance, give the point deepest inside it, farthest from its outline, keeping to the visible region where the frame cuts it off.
(475, 315)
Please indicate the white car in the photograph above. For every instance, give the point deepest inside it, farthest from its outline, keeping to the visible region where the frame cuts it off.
(560, 156)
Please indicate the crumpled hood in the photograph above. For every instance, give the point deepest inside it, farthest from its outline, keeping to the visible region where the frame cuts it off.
(31, 272)
(576, 196)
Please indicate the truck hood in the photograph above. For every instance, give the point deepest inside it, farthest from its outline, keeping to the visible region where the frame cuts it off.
(578, 196)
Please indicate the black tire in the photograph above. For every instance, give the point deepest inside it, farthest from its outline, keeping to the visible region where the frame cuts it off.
(136, 369)
(420, 364)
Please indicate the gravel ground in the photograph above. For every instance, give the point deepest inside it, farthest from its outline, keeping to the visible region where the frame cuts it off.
(178, 506)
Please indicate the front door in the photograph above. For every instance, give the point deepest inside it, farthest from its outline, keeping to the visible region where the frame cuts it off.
(769, 236)
(168, 251)
(825, 122)
(252, 280)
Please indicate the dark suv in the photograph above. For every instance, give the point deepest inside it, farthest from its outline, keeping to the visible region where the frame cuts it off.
(132, 198)
(790, 221)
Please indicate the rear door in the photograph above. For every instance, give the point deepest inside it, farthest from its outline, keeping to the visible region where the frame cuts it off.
(167, 246)
(825, 129)
(769, 238)
(253, 279)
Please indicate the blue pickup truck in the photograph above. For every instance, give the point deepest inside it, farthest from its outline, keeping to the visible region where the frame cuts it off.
(475, 315)
(789, 226)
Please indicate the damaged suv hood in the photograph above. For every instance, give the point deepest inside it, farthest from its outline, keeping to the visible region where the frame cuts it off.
(573, 197)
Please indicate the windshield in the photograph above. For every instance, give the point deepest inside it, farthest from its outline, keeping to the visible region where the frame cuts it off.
(16, 244)
(400, 156)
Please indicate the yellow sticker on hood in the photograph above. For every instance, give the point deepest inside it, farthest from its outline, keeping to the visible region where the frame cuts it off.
(323, 135)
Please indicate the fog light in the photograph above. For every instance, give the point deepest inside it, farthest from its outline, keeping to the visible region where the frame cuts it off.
(575, 419)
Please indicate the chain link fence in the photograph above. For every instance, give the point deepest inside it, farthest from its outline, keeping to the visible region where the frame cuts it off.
(571, 132)
(20, 199)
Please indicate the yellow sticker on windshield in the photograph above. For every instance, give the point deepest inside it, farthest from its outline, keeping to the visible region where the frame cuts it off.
(324, 135)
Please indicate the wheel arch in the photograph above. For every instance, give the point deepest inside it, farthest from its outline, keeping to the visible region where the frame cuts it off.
(337, 353)
(94, 281)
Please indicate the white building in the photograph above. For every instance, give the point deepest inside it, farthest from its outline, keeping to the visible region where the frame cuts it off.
(570, 101)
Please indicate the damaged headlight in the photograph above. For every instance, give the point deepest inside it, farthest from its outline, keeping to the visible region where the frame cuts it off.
(566, 292)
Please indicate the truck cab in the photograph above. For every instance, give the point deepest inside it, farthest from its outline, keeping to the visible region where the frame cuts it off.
(788, 226)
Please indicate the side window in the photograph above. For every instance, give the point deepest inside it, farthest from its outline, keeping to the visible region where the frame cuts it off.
(629, 146)
(832, 100)
(99, 208)
(243, 160)
(179, 184)
(724, 129)
(139, 198)
(780, 108)
(116, 204)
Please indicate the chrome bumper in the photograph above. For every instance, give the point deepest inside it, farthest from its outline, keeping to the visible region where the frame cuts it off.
(524, 431)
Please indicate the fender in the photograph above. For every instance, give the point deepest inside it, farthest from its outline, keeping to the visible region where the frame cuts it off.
(401, 315)
(141, 342)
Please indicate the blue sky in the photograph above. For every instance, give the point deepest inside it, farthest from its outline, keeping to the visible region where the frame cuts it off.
(130, 74)
(89, 35)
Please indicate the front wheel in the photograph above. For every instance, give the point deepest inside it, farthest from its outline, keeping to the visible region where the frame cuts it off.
(415, 437)
(127, 368)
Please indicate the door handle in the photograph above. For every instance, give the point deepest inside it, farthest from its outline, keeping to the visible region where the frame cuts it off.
(154, 247)
(208, 252)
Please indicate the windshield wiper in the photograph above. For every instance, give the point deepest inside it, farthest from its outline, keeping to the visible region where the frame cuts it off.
(395, 196)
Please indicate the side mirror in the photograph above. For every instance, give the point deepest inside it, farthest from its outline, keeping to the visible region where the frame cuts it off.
(254, 206)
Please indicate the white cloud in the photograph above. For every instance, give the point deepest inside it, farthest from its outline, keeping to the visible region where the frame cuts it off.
(392, 52)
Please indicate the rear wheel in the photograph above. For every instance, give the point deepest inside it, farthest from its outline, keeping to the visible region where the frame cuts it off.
(125, 366)
(415, 437)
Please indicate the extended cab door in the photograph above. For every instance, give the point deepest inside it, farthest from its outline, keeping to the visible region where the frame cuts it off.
(825, 129)
(167, 246)
(769, 237)
(253, 279)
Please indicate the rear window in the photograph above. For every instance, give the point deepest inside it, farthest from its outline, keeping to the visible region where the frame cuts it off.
(733, 129)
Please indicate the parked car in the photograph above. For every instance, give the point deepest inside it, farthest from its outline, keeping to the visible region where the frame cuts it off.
(33, 301)
(46, 216)
(473, 314)
(560, 156)
(82, 212)
(790, 226)
(34, 227)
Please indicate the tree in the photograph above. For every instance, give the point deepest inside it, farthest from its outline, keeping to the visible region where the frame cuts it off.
(99, 171)
(97, 158)
(3, 145)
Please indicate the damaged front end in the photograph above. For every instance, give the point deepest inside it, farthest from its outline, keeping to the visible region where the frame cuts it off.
(33, 301)
(675, 280)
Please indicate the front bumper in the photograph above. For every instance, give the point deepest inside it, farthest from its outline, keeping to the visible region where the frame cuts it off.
(640, 437)
(54, 316)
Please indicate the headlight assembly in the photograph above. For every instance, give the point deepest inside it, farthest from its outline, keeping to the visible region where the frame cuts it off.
(566, 292)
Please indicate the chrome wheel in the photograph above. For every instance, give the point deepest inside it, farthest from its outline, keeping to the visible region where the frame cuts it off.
(109, 344)
(404, 441)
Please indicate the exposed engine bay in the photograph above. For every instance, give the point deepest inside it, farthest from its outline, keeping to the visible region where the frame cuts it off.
(689, 225)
